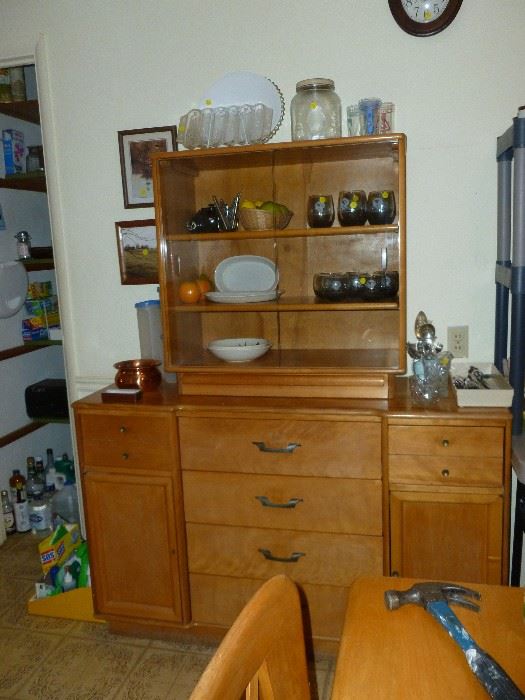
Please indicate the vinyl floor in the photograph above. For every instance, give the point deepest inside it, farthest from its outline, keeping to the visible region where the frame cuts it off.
(45, 658)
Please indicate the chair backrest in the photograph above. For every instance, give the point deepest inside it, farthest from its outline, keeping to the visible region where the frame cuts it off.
(263, 655)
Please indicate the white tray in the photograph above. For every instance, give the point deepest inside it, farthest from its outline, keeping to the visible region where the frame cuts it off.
(499, 395)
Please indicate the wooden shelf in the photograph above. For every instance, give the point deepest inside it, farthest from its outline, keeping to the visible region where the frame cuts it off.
(27, 110)
(21, 432)
(27, 347)
(28, 428)
(31, 183)
(34, 264)
(288, 304)
(285, 233)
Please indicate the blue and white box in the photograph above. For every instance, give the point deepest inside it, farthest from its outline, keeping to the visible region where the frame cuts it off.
(14, 151)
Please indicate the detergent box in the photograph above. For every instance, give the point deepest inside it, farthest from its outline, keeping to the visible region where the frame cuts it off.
(58, 546)
(14, 151)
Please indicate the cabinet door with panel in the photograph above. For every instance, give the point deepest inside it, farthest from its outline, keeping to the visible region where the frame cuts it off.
(132, 545)
(448, 483)
(133, 506)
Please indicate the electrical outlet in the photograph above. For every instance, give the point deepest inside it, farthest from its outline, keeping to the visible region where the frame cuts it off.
(457, 340)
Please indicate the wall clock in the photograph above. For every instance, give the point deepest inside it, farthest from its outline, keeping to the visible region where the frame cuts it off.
(424, 17)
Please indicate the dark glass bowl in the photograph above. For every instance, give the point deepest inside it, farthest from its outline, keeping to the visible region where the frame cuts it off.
(378, 285)
(331, 286)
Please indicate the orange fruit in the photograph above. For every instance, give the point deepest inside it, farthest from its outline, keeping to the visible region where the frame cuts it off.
(189, 292)
(204, 285)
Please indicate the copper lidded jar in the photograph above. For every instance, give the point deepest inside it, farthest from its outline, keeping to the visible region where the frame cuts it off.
(315, 110)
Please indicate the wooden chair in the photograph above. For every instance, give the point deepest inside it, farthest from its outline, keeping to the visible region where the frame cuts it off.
(262, 656)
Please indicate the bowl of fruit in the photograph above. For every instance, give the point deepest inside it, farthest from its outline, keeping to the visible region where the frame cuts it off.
(262, 216)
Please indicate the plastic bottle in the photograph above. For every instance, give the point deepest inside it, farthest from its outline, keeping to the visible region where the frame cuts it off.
(8, 515)
(64, 505)
(66, 467)
(21, 509)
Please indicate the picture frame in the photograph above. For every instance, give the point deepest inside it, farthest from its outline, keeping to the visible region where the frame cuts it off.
(135, 148)
(137, 251)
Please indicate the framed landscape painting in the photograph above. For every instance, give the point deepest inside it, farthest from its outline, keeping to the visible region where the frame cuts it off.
(137, 251)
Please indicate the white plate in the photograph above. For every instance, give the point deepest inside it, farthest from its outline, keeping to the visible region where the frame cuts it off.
(239, 349)
(242, 298)
(243, 87)
(246, 273)
(13, 287)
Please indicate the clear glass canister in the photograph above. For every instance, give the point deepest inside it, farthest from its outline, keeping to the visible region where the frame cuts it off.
(23, 245)
(315, 110)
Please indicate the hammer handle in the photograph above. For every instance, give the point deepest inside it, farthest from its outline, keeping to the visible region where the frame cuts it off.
(491, 675)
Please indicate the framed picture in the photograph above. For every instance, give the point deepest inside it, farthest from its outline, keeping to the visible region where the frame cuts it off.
(137, 251)
(136, 147)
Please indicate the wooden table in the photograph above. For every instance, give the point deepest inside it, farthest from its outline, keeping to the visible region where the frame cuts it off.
(405, 654)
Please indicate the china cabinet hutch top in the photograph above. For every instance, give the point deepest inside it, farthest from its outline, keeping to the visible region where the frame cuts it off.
(319, 348)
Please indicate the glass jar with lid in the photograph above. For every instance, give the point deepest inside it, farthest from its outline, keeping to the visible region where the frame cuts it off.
(315, 110)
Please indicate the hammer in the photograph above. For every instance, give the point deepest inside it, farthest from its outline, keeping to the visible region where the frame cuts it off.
(435, 598)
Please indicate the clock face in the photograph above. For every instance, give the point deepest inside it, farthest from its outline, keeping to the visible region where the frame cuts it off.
(424, 17)
(424, 10)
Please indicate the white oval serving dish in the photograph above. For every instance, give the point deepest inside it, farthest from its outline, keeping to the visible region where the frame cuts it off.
(246, 273)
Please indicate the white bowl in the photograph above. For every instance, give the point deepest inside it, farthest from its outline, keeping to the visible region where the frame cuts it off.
(239, 349)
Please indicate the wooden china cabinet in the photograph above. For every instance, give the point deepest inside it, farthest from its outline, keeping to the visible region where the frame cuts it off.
(318, 348)
(310, 460)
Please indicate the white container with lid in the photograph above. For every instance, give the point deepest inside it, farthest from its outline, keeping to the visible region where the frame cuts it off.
(315, 110)
(150, 333)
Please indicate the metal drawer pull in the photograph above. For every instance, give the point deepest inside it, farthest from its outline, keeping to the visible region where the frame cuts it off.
(291, 503)
(289, 448)
(125, 455)
(123, 429)
(444, 442)
(445, 473)
(294, 556)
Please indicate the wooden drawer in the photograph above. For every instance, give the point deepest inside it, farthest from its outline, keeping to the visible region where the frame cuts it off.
(136, 441)
(310, 557)
(446, 441)
(218, 600)
(320, 504)
(325, 448)
(443, 471)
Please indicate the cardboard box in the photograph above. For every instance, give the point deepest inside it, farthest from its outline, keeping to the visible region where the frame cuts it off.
(14, 151)
(58, 546)
(499, 393)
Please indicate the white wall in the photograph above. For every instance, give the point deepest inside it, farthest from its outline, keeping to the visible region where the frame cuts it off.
(126, 65)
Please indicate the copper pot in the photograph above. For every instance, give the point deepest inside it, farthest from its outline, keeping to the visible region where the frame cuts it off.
(138, 373)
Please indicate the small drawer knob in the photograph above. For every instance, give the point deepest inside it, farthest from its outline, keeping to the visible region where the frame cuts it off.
(445, 473)
(445, 442)
(125, 455)
(123, 429)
